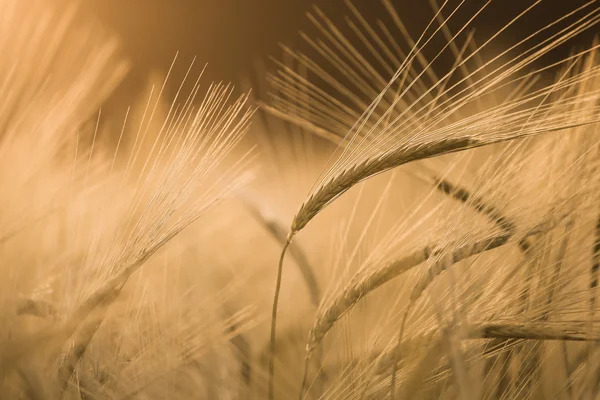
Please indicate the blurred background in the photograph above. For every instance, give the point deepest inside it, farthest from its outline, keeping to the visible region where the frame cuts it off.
(237, 37)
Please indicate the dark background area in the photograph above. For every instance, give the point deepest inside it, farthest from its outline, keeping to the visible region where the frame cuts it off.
(232, 36)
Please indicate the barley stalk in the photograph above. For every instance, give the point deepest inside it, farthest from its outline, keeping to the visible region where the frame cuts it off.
(424, 368)
(486, 330)
(271, 383)
(279, 232)
(367, 159)
(101, 300)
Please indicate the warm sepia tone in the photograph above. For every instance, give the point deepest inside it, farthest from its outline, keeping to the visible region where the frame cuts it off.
(253, 200)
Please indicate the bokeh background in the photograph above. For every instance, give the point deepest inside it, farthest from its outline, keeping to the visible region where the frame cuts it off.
(237, 37)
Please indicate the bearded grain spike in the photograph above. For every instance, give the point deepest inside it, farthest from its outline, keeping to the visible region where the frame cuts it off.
(205, 145)
(452, 258)
(365, 283)
(373, 166)
(481, 206)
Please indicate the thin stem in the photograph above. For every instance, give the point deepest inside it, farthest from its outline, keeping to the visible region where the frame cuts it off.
(279, 233)
(305, 377)
(397, 355)
(274, 318)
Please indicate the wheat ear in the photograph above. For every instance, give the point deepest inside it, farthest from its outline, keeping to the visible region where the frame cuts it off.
(482, 206)
(100, 300)
(103, 298)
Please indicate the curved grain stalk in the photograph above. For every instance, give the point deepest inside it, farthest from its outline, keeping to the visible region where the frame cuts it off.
(407, 121)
